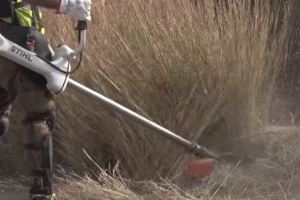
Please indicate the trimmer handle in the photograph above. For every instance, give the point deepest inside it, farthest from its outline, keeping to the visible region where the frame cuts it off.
(81, 25)
(82, 28)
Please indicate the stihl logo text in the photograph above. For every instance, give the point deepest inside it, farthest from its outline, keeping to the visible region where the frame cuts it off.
(21, 53)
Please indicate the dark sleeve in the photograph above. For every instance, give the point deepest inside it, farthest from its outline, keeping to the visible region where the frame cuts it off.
(5, 10)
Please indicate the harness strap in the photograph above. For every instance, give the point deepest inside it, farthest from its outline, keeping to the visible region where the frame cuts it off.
(35, 15)
(14, 17)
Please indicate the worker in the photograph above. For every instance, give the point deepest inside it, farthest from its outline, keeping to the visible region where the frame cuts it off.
(20, 22)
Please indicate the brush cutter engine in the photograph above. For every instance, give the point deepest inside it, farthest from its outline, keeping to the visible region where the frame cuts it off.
(56, 79)
(56, 72)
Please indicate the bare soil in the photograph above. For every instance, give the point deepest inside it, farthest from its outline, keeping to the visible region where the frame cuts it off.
(12, 191)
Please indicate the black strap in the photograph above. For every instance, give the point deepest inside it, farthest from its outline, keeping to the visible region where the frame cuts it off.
(35, 15)
(14, 17)
(36, 18)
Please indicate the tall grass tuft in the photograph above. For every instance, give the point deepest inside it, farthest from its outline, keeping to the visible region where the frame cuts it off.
(203, 70)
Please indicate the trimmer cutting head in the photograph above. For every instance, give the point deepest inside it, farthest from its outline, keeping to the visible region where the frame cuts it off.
(201, 168)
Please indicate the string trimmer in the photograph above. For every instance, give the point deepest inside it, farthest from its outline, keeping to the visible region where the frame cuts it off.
(57, 74)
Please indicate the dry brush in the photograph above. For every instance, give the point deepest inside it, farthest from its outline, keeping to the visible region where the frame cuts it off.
(206, 72)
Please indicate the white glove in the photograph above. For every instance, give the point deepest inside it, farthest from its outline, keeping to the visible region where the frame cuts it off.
(79, 9)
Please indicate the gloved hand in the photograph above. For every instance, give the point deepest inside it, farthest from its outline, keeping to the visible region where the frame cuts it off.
(79, 9)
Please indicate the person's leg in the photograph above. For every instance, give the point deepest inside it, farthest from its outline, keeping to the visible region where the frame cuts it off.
(8, 91)
(4, 111)
(39, 107)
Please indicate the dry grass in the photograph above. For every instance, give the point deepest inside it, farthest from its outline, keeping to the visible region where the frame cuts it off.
(274, 176)
(206, 72)
(201, 74)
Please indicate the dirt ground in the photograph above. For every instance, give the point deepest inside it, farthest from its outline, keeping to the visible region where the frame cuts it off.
(279, 167)
(13, 191)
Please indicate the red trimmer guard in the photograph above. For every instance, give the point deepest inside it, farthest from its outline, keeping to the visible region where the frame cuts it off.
(199, 168)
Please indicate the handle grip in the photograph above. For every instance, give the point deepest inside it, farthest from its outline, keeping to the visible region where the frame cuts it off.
(81, 25)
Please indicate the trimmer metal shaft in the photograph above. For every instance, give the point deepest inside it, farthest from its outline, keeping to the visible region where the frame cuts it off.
(110, 104)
